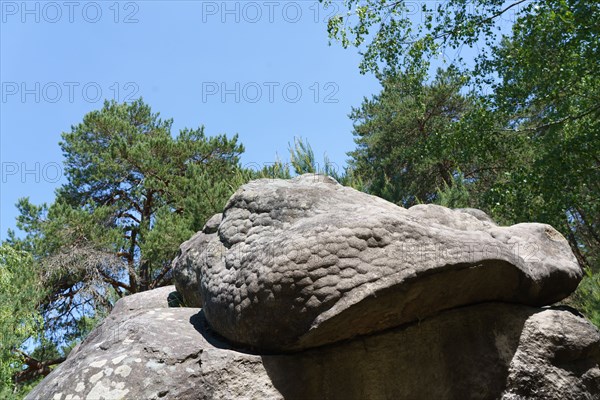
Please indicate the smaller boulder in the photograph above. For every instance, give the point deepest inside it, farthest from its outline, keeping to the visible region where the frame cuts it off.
(148, 300)
(558, 358)
(185, 272)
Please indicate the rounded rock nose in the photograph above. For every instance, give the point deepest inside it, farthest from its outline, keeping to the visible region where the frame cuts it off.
(304, 262)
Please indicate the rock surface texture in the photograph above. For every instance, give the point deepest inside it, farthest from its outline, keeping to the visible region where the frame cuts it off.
(185, 272)
(315, 291)
(154, 352)
(304, 262)
(486, 351)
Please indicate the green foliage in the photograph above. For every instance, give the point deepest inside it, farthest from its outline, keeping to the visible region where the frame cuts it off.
(302, 158)
(134, 193)
(391, 38)
(409, 141)
(553, 107)
(276, 170)
(125, 158)
(454, 195)
(20, 292)
(587, 297)
(303, 162)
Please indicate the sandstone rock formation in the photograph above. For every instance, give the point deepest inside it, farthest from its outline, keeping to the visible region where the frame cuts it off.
(145, 350)
(315, 291)
(485, 351)
(185, 272)
(304, 262)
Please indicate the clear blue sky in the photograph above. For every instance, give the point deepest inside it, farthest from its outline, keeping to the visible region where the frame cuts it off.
(263, 70)
(200, 63)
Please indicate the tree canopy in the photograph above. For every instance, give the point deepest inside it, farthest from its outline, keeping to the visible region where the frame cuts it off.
(407, 141)
(134, 193)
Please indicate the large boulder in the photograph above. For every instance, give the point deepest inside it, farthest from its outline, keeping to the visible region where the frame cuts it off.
(185, 271)
(486, 351)
(145, 350)
(558, 357)
(315, 291)
(304, 262)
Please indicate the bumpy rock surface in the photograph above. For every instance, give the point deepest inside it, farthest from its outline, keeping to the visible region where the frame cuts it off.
(315, 291)
(185, 272)
(304, 262)
(486, 351)
(558, 358)
(145, 350)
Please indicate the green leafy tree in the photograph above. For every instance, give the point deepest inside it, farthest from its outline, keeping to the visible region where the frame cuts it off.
(549, 87)
(20, 293)
(134, 193)
(587, 297)
(554, 107)
(408, 137)
(406, 36)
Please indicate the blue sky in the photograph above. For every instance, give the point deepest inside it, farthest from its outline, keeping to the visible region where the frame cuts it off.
(263, 70)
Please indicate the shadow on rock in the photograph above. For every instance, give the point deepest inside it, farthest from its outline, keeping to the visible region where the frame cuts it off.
(460, 354)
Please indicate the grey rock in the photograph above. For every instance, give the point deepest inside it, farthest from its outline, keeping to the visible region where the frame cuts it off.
(156, 298)
(212, 224)
(315, 291)
(185, 274)
(473, 352)
(154, 353)
(480, 215)
(558, 358)
(486, 351)
(305, 262)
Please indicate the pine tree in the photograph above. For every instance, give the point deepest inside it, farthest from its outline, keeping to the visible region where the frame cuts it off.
(134, 193)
